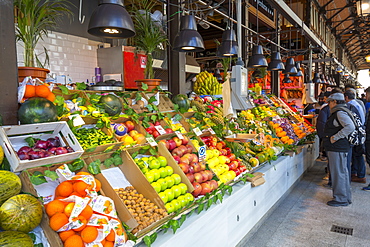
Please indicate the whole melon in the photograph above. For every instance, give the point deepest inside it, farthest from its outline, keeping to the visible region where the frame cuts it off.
(10, 185)
(111, 104)
(37, 110)
(182, 101)
(15, 239)
(20, 213)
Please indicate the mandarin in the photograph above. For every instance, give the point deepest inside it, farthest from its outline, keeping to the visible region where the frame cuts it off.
(74, 241)
(111, 236)
(108, 244)
(64, 189)
(82, 220)
(54, 207)
(58, 220)
(66, 234)
(42, 91)
(89, 234)
(30, 91)
(80, 187)
(87, 212)
(51, 97)
(97, 185)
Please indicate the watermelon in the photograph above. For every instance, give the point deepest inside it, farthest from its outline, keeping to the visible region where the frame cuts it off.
(15, 239)
(22, 213)
(111, 104)
(10, 185)
(182, 101)
(37, 110)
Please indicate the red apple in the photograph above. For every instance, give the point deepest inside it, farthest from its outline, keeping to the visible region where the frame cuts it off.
(130, 125)
(157, 123)
(191, 169)
(177, 159)
(195, 158)
(237, 171)
(165, 143)
(185, 160)
(204, 175)
(183, 149)
(176, 152)
(210, 174)
(149, 130)
(223, 152)
(190, 148)
(197, 189)
(228, 150)
(214, 184)
(198, 177)
(190, 177)
(196, 167)
(231, 156)
(185, 141)
(156, 134)
(202, 166)
(184, 167)
(169, 131)
(206, 188)
(219, 146)
(172, 144)
(177, 141)
(243, 168)
(233, 165)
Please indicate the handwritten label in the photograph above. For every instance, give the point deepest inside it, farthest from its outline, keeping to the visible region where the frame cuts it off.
(211, 131)
(160, 129)
(179, 135)
(77, 120)
(197, 131)
(151, 141)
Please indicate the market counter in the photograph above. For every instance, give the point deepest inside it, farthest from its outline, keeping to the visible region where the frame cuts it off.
(226, 223)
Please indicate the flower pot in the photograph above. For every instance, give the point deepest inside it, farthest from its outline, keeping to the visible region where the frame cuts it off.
(33, 72)
(152, 84)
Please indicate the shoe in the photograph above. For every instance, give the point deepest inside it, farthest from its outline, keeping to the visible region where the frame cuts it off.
(334, 203)
(328, 186)
(358, 180)
(323, 158)
(326, 177)
(366, 188)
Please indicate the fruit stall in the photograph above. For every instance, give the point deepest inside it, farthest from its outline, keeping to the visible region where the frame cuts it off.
(93, 168)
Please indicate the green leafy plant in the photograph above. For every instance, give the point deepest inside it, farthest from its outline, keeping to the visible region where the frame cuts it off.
(34, 20)
(149, 35)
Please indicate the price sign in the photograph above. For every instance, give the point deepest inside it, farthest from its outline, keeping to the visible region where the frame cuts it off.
(151, 141)
(160, 130)
(197, 131)
(202, 153)
(77, 120)
(179, 135)
(211, 131)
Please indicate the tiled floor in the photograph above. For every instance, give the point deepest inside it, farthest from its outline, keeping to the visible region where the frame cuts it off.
(304, 219)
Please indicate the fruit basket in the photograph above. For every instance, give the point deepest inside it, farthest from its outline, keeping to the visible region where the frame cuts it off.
(14, 137)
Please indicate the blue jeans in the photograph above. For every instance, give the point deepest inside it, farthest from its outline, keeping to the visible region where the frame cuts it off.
(358, 162)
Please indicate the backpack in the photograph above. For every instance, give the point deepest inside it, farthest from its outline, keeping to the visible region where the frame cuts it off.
(358, 136)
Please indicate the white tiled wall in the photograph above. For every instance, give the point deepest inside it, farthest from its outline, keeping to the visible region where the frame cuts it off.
(69, 55)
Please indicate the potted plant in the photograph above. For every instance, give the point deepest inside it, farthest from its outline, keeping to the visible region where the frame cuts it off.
(35, 18)
(149, 38)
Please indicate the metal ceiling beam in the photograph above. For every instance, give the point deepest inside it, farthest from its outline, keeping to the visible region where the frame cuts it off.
(293, 18)
(340, 10)
(322, 8)
(345, 19)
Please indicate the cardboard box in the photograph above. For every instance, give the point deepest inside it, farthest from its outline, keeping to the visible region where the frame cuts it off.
(12, 138)
(137, 179)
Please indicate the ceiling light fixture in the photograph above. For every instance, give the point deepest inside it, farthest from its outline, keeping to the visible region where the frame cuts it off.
(228, 46)
(111, 20)
(276, 63)
(188, 39)
(363, 8)
(290, 67)
(367, 58)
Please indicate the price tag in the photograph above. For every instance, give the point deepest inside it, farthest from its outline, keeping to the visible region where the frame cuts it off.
(197, 131)
(151, 141)
(202, 152)
(77, 120)
(179, 135)
(160, 129)
(211, 131)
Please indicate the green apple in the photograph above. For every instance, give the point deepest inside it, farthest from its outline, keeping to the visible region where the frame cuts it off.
(156, 186)
(170, 194)
(170, 181)
(177, 178)
(176, 190)
(154, 164)
(169, 170)
(183, 188)
(176, 204)
(145, 170)
(149, 176)
(145, 159)
(163, 183)
(156, 174)
(163, 196)
(163, 172)
(189, 197)
(162, 161)
(169, 207)
(183, 201)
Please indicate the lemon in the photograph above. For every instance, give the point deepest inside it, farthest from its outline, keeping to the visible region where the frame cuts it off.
(1, 155)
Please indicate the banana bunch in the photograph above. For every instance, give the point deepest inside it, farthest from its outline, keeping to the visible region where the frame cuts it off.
(207, 84)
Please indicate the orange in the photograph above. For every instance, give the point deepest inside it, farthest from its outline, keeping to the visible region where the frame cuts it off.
(54, 207)
(109, 244)
(111, 236)
(64, 189)
(89, 234)
(68, 209)
(82, 220)
(74, 241)
(42, 91)
(66, 234)
(83, 173)
(30, 91)
(58, 220)
(140, 138)
(51, 97)
(98, 185)
(87, 212)
(103, 242)
(80, 187)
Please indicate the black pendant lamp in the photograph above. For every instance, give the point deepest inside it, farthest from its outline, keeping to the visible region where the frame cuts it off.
(299, 71)
(290, 67)
(188, 39)
(229, 46)
(287, 79)
(316, 78)
(257, 59)
(111, 20)
(276, 63)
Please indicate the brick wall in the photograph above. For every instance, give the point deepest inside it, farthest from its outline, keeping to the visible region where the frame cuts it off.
(69, 55)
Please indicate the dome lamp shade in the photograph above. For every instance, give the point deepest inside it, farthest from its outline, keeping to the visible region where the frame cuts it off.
(257, 59)
(276, 63)
(290, 67)
(188, 39)
(229, 46)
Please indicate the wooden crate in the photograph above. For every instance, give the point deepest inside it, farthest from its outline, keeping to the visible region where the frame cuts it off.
(12, 138)
(165, 104)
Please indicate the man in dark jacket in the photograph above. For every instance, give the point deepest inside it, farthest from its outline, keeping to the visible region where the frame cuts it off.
(337, 129)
